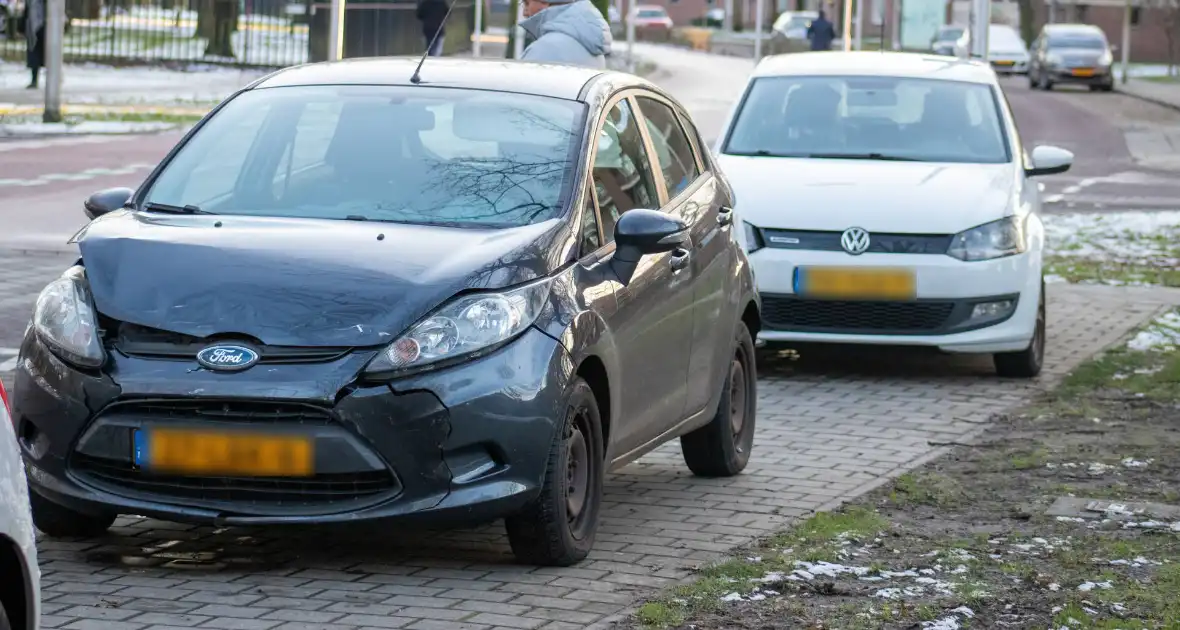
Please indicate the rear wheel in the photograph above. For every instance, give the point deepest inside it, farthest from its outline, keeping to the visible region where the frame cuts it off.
(1044, 83)
(1028, 362)
(722, 447)
(59, 521)
(4, 624)
(558, 527)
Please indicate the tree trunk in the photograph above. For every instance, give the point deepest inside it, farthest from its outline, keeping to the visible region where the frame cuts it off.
(225, 23)
(513, 12)
(739, 15)
(1028, 30)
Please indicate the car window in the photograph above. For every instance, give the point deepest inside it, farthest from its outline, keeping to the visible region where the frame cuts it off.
(677, 161)
(1079, 40)
(899, 117)
(622, 169)
(435, 156)
(588, 233)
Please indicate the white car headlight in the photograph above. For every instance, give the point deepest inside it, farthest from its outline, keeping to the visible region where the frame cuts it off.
(466, 326)
(1106, 59)
(65, 320)
(997, 239)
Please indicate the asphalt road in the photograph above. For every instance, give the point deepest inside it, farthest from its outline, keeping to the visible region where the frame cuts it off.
(825, 434)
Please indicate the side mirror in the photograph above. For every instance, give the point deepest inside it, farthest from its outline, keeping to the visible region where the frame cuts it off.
(105, 201)
(1049, 160)
(640, 233)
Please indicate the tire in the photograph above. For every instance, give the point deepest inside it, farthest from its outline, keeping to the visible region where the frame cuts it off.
(1032, 83)
(722, 447)
(1044, 83)
(58, 521)
(544, 533)
(1028, 362)
(4, 624)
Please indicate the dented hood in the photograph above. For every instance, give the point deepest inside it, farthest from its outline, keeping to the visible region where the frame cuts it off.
(296, 282)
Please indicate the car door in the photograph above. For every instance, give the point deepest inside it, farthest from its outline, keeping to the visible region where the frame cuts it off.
(652, 323)
(695, 196)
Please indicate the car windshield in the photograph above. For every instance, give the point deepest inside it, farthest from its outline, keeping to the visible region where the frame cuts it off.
(885, 118)
(651, 13)
(1077, 41)
(949, 34)
(436, 156)
(1004, 39)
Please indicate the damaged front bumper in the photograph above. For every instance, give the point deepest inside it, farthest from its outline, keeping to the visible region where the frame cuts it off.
(467, 443)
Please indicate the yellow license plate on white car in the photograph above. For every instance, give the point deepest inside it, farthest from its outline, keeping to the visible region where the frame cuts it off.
(843, 283)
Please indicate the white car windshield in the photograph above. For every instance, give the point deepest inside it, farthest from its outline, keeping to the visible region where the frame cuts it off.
(437, 156)
(1004, 40)
(884, 118)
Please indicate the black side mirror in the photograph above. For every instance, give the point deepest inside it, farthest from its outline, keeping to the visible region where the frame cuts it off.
(108, 200)
(640, 233)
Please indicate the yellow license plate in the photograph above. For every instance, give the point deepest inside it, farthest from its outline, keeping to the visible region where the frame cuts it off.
(1083, 72)
(857, 284)
(1004, 63)
(243, 454)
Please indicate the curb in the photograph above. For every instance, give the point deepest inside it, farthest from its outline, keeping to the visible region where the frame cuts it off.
(1175, 105)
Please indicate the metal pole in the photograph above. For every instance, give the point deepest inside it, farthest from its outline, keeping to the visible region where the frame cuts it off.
(981, 18)
(727, 22)
(1125, 52)
(857, 24)
(629, 18)
(759, 8)
(477, 44)
(336, 31)
(54, 33)
(895, 26)
(847, 25)
(518, 40)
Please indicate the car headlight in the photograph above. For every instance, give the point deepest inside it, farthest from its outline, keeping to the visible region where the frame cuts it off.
(464, 327)
(1053, 60)
(1106, 59)
(65, 320)
(751, 237)
(997, 239)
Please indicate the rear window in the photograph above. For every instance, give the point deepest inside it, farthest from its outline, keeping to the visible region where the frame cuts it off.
(1092, 42)
(419, 155)
(950, 34)
(651, 13)
(890, 117)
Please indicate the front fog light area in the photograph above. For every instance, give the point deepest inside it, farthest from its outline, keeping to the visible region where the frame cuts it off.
(993, 310)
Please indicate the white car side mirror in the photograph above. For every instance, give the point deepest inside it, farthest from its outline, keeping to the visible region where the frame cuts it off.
(1049, 160)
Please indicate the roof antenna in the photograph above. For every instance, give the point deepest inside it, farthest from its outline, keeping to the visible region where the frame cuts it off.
(415, 78)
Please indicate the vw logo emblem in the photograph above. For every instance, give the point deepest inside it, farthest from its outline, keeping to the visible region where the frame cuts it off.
(855, 241)
(227, 358)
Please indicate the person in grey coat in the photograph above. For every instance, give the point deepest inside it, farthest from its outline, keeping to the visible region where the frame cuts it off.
(566, 31)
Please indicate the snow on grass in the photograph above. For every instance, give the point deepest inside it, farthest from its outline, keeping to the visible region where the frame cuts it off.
(1118, 248)
(1161, 335)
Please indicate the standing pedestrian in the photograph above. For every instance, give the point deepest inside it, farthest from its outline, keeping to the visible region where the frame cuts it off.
(566, 31)
(433, 14)
(821, 33)
(34, 21)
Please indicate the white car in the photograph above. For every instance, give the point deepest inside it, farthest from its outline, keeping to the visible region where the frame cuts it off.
(20, 578)
(794, 24)
(1006, 51)
(886, 198)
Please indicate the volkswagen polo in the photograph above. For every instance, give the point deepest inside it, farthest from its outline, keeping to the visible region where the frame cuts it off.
(353, 293)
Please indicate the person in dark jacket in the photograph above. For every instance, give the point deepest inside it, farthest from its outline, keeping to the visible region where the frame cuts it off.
(432, 14)
(34, 28)
(821, 33)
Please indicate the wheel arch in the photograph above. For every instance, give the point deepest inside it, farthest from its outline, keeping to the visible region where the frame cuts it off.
(15, 595)
(592, 370)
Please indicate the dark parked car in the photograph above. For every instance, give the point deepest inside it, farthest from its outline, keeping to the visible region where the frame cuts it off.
(1071, 53)
(347, 295)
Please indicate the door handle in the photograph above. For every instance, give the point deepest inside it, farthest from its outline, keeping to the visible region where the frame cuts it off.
(725, 216)
(680, 257)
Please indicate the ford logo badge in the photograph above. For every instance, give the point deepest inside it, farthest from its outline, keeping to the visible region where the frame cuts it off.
(227, 358)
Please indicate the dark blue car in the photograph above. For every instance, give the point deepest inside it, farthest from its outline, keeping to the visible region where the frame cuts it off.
(347, 296)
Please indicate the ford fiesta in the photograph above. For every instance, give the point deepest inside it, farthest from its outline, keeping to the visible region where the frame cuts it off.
(347, 295)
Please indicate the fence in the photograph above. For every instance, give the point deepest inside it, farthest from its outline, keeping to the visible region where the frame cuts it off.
(245, 33)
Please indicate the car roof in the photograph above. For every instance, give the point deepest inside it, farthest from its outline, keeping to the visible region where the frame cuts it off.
(872, 63)
(500, 75)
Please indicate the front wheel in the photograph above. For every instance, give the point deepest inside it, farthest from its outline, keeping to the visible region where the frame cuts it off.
(59, 521)
(722, 447)
(558, 527)
(1026, 363)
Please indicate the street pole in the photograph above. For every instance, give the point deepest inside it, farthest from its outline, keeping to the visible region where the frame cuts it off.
(981, 11)
(55, 26)
(629, 18)
(1125, 52)
(759, 8)
(856, 21)
(847, 25)
(518, 40)
(477, 45)
(727, 22)
(336, 31)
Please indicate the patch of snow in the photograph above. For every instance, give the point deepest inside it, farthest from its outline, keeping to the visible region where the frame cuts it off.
(827, 569)
(1055, 587)
(1070, 519)
(1089, 586)
(1162, 335)
(1152, 525)
(754, 559)
(1131, 462)
(732, 597)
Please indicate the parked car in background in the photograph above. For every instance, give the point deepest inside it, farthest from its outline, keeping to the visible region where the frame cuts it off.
(715, 17)
(943, 42)
(887, 198)
(1072, 54)
(793, 24)
(652, 16)
(1006, 51)
(20, 577)
(417, 303)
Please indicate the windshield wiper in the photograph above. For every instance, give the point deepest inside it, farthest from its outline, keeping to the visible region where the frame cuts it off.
(862, 156)
(152, 206)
